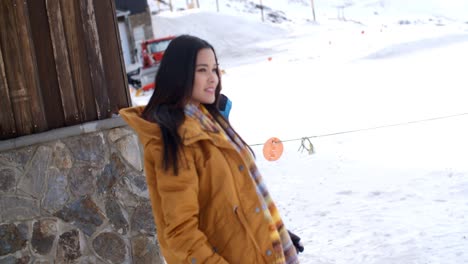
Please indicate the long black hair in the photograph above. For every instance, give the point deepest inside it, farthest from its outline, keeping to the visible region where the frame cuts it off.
(173, 90)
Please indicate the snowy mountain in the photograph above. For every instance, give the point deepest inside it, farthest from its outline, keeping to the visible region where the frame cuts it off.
(352, 9)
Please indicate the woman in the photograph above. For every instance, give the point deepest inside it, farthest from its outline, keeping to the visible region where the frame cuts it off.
(209, 202)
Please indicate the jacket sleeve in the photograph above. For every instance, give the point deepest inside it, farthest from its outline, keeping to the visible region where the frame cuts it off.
(180, 207)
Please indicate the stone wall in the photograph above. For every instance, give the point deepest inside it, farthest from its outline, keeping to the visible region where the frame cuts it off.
(77, 199)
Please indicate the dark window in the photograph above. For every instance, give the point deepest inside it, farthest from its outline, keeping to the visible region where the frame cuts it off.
(134, 6)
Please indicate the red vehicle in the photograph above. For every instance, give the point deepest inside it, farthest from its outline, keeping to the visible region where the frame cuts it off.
(153, 50)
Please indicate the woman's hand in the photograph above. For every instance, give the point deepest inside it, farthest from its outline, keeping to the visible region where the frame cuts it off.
(296, 242)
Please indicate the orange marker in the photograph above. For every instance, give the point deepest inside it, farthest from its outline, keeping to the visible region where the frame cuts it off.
(272, 149)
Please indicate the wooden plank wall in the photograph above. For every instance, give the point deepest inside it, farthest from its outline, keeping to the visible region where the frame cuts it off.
(7, 120)
(60, 64)
(20, 69)
(108, 21)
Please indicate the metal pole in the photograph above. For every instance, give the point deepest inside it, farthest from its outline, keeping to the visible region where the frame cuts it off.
(261, 8)
(217, 6)
(313, 9)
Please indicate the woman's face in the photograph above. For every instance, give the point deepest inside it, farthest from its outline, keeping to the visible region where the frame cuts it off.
(206, 78)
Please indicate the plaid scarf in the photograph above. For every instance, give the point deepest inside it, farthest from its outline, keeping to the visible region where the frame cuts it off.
(282, 244)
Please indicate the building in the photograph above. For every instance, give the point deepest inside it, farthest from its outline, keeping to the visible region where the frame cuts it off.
(71, 176)
(134, 22)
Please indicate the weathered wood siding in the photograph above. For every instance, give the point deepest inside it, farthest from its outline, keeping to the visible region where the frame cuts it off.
(60, 64)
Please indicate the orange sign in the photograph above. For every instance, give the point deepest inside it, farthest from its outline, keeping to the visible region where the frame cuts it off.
(272, 149)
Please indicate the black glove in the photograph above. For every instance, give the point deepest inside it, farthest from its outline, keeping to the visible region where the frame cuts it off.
(296, 242)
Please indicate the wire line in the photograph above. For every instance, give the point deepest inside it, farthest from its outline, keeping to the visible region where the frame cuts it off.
(369, 128)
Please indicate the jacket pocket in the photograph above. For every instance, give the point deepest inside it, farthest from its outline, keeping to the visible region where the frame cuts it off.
(229, 238)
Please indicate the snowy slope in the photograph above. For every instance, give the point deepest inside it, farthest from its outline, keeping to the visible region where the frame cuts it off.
(232, 37)
(359, 10)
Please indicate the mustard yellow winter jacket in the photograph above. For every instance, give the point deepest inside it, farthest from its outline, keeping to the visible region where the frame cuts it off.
(209, 212)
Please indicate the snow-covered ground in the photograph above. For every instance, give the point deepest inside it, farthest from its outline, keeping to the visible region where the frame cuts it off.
(391, 75)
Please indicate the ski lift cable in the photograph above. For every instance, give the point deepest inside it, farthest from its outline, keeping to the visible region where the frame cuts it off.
(367, 129)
